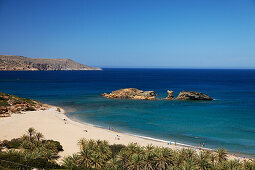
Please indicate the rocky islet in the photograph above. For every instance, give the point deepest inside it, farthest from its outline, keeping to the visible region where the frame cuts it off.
(136, 94)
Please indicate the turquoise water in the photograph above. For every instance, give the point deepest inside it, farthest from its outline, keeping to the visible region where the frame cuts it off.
(228, 121)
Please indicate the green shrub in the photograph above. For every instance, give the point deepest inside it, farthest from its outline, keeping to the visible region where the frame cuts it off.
(30, 109)
(115, 148)
(4, 103)
(15, 160)
(28, 101)
(56, 143)
(14, 143)
(41, 163)
(2, 98)
(7, 157)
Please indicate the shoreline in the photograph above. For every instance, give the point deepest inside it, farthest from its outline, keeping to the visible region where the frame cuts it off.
(136, 135)
(58, 126)
(231, 155)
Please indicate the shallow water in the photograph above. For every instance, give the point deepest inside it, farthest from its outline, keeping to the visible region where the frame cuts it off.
(228, 121)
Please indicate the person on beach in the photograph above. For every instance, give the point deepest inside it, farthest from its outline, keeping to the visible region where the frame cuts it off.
(175, 143)
(118, 137)
(170, 142)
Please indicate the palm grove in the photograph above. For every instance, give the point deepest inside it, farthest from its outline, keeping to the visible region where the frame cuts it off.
(33, 151)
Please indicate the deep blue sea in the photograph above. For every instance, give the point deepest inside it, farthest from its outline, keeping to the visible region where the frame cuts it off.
(228, 121)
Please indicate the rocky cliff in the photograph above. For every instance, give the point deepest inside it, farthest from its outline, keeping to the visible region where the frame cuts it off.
(20, 63)
(10, 104)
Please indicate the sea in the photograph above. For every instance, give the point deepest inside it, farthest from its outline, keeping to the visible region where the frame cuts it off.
(226, 122)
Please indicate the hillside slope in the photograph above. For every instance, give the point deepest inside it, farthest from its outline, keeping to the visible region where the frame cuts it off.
(10, 104)
(20, 63)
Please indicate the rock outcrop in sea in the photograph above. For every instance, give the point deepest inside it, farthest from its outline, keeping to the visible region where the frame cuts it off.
(192, 95)
(20, 63)
(170, 95)
(133, 93)
(10, 104)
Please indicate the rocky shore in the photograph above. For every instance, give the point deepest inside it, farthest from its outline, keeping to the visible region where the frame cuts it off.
(10, 104)
(133, 93)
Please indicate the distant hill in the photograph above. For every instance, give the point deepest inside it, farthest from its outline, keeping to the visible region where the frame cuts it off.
(20, 63)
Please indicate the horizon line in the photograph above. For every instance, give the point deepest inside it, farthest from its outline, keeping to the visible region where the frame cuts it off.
(188, 68)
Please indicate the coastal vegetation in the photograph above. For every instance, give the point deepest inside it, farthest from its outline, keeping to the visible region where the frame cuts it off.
(33, 151)
(100, 155)
(28, 151)
(10, 104)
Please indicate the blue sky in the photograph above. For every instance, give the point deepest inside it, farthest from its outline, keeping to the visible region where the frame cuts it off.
(132, 33)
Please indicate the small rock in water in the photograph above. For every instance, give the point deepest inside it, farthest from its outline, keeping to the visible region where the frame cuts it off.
(191, 95)
(170, 95)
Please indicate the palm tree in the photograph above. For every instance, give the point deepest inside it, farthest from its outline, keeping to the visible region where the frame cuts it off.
(222, 165)
(212, 157)
(149, 160)
(70, 162)
(123, 158)
(113, 163)
(105, 150)
(149, 147)
(202, 160)
(188, 165)
(250, 164)
(221, 154)
(136, 162)
(178, 159)
(84, 158)
(97, 161)
(38, 136)
(187, 153)
(31, 132)
(133, 148)
(163, 158)
(25, 138)
(233, 165)
(94, 153)
(82, 143)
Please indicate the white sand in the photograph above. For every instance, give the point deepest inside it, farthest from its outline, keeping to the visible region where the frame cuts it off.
(53, 126)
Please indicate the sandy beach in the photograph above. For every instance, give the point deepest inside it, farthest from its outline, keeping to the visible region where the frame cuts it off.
(57, 126)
